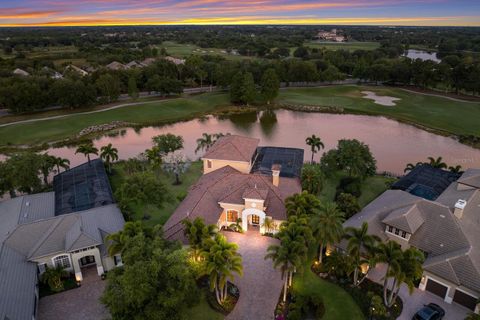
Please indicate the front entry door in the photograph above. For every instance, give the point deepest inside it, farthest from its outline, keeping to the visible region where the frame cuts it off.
(88, 260)
(255, 219)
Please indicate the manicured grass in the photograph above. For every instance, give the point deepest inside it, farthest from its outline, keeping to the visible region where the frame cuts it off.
(203, 311)
(350, 46)
(176, 193)
(372, 187)
(437, 113)
(338, 303)
(149, 113)
(183, 50)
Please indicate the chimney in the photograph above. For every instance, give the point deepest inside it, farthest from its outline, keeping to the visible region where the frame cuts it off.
(459, 206)
(276, 174)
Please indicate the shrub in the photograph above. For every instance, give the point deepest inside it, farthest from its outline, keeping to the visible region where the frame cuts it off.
(348, 204)
(312, 178)
(351, 185)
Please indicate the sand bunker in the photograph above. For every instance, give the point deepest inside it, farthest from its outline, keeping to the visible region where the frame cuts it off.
(382, 100)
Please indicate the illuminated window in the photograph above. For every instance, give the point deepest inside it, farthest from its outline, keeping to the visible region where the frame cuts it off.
(62, 261)
(232, 215)
(209, 164)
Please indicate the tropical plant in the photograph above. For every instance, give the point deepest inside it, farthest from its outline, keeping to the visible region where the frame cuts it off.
(355, 158)
(62, 163)
(270, 85)
(348, 204)
(389, 253)
(408, 272)
(167, 143)
(197, 232)
(315, 144)
(109, 154)
(237, 225)
(87, 150)
(269, 225)
(312, 178)
(437, 162)
(339, 264)
(360, 243)
(222, 261)
(118, 239)
(153, 156)
(205, 142)
(302, 203)
(411, 166)
(47, 164)
(53, 277)
(327, 226)
(456, 169)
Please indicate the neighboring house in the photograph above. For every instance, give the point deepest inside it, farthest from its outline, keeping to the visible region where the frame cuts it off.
(52, 73)
(76, 69)
(65, 228)
(176, 61)
(147, 62)
(115, 65)
(133, 64)
(20, 72)
(230, 190)
(332, 35)
(446, 229)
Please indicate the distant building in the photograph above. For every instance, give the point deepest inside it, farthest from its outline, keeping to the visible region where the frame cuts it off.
(20, 72)
(76, 69)
(115, 65)
(133, 64)
(331, 35)
(148, 61)
(176, 61)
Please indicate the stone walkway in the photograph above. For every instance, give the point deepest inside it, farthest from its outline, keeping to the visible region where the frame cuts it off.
(261, 284)
(76, 304)
(414, 302)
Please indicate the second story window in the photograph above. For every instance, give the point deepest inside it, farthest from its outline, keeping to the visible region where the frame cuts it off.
(209, 164)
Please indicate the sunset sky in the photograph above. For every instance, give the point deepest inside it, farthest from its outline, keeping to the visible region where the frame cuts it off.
(163, 12)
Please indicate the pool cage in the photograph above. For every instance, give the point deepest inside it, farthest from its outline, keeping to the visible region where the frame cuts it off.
(291, 160)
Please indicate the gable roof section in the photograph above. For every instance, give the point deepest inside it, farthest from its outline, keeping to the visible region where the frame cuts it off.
(255, 193)
(408, 218)
(233, 148)
(471, 177)
(36, 207)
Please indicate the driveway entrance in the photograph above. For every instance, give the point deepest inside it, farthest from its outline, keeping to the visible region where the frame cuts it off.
(261, 284)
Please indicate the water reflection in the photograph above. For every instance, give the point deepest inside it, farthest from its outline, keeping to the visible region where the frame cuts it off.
(393, 144)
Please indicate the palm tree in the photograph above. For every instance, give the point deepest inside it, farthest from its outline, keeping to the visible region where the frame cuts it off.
(221, 262)
(389, 253)
(237, 225)
(437, 163)
(197, 232)
(53, 277)
(411, 166)
(288, 256)
(302, 203)
(315, 144)
(456, 169)
(62, 163)
(268, 224)
(87, 150)
(47, 163)
(327, 226)
(118, 239)
(360, 242)
(109, 154)
(408, 272)
(205, 142)
(153, 156)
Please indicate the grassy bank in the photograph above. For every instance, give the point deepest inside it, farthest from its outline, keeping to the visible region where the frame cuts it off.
(436, 113)
(350, 46)
(150, 113)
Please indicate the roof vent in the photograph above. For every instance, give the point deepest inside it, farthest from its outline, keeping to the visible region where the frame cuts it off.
(27, 204)
(442, 216)
(460, 204)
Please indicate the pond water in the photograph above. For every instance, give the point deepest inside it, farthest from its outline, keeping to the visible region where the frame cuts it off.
(423, 55)
(393, 144)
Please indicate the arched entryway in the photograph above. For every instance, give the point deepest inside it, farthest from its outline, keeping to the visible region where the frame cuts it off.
(253, 217)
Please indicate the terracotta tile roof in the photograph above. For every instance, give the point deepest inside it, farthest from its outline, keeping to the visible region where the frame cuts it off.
(234, 148)
(255, 193)
(229, 186)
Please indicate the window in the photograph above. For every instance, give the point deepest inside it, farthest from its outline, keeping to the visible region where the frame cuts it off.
(390, 229)
(232, 215)
(404, 234)
(41, 268)
(397, 232)
(62, 261)
(209, 164)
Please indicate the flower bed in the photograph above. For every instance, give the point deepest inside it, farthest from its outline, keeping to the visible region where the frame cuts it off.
(68, 284)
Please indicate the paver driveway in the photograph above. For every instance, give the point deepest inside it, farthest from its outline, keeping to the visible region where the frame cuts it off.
(76, 304)
(261, 284)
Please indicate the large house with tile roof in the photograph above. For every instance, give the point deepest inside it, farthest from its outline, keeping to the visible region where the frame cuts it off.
(446, 229)
(65, 228)
(230, 188)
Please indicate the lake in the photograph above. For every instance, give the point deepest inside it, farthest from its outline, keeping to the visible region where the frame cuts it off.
(393, 144)
(423, 55)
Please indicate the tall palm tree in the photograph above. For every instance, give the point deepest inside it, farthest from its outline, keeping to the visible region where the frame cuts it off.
(389, 253)
(221, 262)
(359, 242)
(118, 239)
(408, 272)
(315, 144)
(109, 154)
(87, 150)
(205, 142)
(327, 226)
(47, 164)
(53, 277)
(62, 163)
(288, 256)
(437, 163)
(302, 203)
(197, 232)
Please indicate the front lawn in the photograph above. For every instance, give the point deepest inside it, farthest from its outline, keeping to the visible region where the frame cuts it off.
(203, 311)
(338, 303)
(176, 192)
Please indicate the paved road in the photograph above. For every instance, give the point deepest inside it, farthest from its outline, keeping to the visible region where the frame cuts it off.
(261, 284)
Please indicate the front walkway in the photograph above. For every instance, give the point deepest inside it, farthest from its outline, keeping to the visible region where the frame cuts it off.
(413, 303)
(76, 304)
(261, 284)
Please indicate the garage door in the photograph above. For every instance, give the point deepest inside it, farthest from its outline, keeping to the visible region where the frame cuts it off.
(436, 288)
(465, 300)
